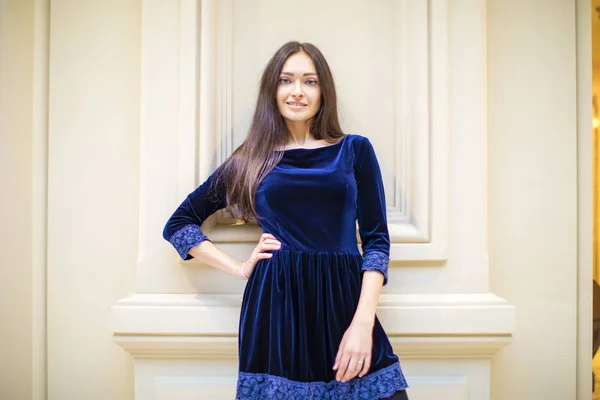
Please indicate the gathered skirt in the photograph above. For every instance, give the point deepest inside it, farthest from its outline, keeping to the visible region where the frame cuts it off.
(296, 308)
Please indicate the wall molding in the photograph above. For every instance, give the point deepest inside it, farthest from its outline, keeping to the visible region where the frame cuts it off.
(417, 220)
(419, 326)
(225, 347)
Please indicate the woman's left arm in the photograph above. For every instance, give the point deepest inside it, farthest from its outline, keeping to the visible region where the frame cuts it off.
(357, 342)
(354, 354)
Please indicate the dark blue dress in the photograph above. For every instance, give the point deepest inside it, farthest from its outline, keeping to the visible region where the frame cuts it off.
(298, 304)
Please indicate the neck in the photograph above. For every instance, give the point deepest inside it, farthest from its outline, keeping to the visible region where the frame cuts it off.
(299, 131)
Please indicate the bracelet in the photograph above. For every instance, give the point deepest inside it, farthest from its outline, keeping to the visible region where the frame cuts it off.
(244, 272)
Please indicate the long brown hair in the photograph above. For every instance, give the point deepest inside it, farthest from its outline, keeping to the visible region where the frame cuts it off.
(247, 166)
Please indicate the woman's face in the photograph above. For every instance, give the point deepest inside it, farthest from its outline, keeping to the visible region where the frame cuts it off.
(298, 90)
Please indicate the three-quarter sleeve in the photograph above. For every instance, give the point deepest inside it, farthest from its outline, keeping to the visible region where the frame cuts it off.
(182, 230)
(371, 210)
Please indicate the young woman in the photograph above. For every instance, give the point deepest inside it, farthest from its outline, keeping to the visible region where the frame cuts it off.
(308, 328)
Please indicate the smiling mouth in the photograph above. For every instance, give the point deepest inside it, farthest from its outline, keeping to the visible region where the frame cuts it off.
(295, 104)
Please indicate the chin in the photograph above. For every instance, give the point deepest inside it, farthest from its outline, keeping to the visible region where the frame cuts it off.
(297, 117)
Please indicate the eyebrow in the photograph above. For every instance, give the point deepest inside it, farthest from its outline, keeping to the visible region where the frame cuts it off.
(306, 74)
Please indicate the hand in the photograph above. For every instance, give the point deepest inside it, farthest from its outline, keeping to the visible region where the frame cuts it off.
(267, 242)
(355, 347)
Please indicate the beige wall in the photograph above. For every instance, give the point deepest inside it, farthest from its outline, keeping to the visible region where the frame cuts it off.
(533, 193)
(93, 166)
(16, 232)
(93, 194)
(91, 143)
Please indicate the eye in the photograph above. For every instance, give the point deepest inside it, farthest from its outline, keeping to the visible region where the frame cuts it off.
(312, 82)
(284, 81)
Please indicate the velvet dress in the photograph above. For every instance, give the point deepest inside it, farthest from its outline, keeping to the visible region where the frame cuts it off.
(298, 304)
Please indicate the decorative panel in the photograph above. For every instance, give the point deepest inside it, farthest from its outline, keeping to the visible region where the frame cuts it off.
(389, 62)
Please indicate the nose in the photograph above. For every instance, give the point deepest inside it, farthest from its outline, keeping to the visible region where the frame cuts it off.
(297, 92)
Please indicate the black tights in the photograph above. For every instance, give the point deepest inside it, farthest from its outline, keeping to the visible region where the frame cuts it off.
(401, 395)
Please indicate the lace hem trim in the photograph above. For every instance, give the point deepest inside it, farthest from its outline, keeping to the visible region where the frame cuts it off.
(379, 384)
(187, 237)
(376, 261)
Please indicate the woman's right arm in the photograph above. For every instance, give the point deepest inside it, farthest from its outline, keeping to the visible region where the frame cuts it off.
(209, 254)
(183, 231)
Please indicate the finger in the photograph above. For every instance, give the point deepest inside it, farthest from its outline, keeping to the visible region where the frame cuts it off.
(366, 366)
(266, 247)
(352, 369)
(272, 241)
(338, 356)
(263, 256)
(267, 236)
(350, 374)
(269, 242)
(340, 369)
(343, 367)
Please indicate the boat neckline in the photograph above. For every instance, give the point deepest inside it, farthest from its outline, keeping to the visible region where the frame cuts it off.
(300, 149)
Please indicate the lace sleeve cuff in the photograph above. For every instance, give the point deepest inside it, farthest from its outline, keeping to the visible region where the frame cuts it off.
(187, 237)
(376, 261)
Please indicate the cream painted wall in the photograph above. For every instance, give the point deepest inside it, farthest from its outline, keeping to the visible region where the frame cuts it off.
(533, 194)
(93, 193)
(16, 228)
